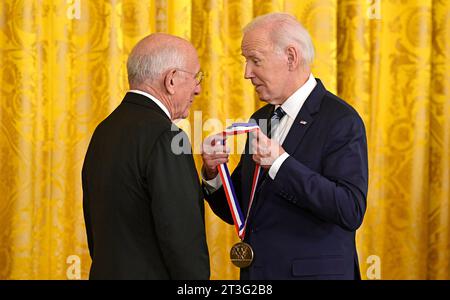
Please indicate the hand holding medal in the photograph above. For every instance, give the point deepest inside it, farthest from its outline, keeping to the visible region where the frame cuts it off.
(265, 150)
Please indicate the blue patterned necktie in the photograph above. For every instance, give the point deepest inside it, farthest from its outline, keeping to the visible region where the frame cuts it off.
(274, 121)
(277, 115)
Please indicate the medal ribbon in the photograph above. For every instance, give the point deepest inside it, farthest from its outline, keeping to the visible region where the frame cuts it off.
(236, 212)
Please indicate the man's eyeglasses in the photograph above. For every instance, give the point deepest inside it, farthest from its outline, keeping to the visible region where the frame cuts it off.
(197, 76)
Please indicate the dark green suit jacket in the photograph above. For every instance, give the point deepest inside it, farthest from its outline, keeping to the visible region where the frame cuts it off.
(142, 203)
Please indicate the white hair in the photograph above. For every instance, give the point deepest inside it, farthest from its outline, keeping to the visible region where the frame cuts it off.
(151, 65)
(286, 31)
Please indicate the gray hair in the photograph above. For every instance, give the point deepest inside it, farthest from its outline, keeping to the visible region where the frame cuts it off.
(151, 65)
(286, 31)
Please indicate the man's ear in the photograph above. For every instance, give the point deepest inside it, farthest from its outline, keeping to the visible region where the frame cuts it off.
(169, 81)
(293, 57)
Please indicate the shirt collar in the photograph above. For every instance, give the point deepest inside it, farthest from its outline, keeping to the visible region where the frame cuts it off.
(294, 103)
(154, 99)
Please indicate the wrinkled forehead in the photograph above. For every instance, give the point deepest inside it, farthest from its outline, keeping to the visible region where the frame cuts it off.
(256, 41)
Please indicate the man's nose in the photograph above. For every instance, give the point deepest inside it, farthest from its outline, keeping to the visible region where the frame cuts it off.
(248, 72)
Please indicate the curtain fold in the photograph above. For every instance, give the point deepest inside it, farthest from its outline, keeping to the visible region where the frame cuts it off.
(63, 70)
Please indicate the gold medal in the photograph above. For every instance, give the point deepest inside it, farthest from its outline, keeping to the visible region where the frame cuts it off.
(241, 255)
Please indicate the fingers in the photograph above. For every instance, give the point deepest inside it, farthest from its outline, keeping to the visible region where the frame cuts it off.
(257, 159)
(215, 139)
(211, 165)
(215, 144)
(261, 147)
(211, 162)
(218, 151)
(259, 135)
(263, 161)
(213, 159)
(214, 153)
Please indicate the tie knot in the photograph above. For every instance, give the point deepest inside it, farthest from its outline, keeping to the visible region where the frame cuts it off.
(278, 114)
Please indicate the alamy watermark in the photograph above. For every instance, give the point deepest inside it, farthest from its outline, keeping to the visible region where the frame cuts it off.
(73, 272)
(374, 267)
(73, 9)
(205, 134)
(374, 9)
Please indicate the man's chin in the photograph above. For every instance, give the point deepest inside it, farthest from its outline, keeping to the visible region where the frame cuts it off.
(185, 115)
(263, 98)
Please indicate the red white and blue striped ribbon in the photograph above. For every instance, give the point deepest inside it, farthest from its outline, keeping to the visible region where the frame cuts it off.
(233, 203)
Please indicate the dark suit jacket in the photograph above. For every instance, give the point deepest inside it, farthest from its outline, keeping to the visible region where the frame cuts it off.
(143, 204)
(302, 224)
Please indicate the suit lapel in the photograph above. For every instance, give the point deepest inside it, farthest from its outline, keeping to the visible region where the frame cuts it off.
(304, 119)
(264, 121)
(295, 135)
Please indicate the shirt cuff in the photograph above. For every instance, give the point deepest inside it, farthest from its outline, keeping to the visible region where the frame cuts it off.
(212, 185)
(277, 165)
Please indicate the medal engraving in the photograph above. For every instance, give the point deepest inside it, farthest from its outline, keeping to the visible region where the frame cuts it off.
(241, 255)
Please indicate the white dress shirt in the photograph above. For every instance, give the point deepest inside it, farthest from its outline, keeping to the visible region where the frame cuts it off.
(292, 107)
(154, 99)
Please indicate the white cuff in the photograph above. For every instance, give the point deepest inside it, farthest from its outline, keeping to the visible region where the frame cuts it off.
(213, 184)
(277, 165)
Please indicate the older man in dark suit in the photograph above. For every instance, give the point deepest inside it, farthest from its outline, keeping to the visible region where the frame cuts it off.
(312, 195)
(142, 200)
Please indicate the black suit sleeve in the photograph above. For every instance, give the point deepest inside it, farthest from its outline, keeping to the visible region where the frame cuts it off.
(177, 209)
(218, 201)
(338, 193)
(87, 214)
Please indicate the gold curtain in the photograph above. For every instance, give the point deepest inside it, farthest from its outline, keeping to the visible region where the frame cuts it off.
(62, 70)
